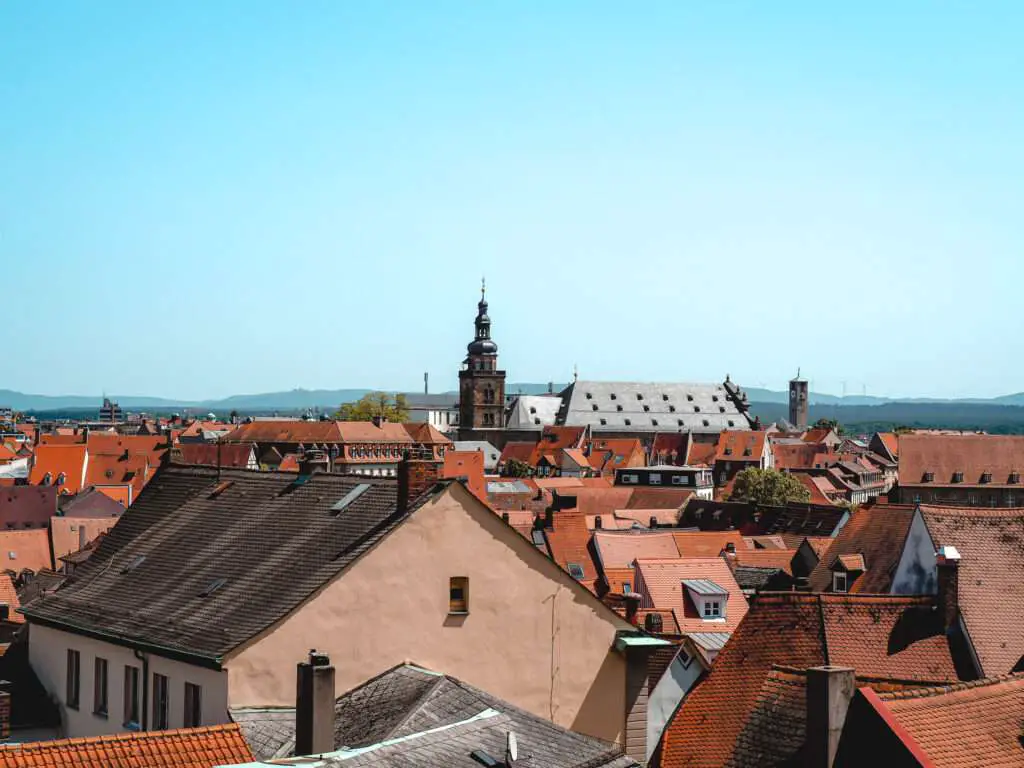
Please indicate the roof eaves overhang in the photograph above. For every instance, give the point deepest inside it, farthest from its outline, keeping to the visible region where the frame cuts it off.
(177, 654)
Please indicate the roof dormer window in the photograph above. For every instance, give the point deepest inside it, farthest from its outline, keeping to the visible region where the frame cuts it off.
(1014, 478)
(728, 450)
(986, 477)
(928, 477)
(958, 477)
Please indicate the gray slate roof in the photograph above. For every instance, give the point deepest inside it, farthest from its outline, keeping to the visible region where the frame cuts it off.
(273, 540)
(406, 703)
(533, 411)
(670, 407)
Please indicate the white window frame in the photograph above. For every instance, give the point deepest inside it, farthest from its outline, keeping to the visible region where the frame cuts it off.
(713, 609)
(836, 576)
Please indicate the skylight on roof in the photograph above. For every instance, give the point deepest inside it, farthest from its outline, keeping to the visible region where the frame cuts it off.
(212, 587)
(575, 570)
(135, 563)
(350, 497)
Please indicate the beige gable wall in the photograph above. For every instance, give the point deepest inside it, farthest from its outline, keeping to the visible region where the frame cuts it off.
(531, 637)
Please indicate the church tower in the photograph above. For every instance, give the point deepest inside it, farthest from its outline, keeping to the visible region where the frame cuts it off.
(481, 384)
(798, 402)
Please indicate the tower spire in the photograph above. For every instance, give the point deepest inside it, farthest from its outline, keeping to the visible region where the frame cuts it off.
(483, 289)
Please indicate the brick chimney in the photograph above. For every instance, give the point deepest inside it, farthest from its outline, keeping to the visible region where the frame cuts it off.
(314, 706)
(829, 691)
(947, 601)
(418, 472)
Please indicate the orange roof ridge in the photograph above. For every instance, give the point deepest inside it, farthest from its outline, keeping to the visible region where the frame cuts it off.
(944, 688)
(677, 560)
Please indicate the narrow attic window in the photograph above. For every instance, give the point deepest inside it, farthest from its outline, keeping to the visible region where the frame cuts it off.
(707, 423)
(721, 409)
(594, 406)
(958, 477)
(627, 422)
(639, 396)
(731, 423)
(654, 422)
(1014, 478)
(714, 398)
(679, 422)
(212, 587)
(458, 594)
(612, 395)
(986, 477)
(928, 477)
(575, 570)
(589, 396)
(671, 409)
(135, 563)
(604, 422)
(696, 409)
(618, 408)
(647, 408)
(665, 398)
(689, 398)
(350, 497)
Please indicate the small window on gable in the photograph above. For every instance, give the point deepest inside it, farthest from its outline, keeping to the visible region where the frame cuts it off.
(839, 581)
(575, 570)
(458, 594)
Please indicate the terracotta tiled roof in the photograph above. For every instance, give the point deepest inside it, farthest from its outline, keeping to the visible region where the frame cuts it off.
(971, 724)
(701, 454)
(899, 637)
(614, 578)
(549, 483)
(775, 732)
(55, 459)
(973, 455)
(297, 431)
(663, 517)
(518, 451)
(794, 455)
(25, 549)
(877, 534)
(576, 455)
(991, 589)
(766, 542)
(234, 455)
(9, 597)
(569, 541)
(619, 550)
(658, 498)
(815, 435)
(891, 441)
(706, 543)
(767, 558)
(741, 446)
(660, 583)
(817, 487)
(820, 545)
(597, 501)
(187, 748)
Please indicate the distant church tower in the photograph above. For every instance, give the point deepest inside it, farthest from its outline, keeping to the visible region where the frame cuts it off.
(798, 402)
(481, 384)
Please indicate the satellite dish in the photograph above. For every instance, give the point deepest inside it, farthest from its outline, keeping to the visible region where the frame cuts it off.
(511, 749)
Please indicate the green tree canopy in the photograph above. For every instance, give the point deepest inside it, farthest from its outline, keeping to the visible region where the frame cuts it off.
(768, 487)
(375, 404)
(829, 424)
(517, 468)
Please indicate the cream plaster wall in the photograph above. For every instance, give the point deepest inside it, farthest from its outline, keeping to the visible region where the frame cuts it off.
(532, 636)
(48, 656)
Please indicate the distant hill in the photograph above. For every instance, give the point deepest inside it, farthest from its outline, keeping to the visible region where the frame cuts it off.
(770, 404)
(988, 416)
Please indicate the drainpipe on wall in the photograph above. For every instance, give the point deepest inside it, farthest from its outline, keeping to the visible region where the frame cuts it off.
(144, 658)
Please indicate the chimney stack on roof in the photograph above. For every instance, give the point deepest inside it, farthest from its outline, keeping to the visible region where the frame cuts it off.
(947, 601)
(829, 691)
(314, 706)
(313, 461)
(418, 472)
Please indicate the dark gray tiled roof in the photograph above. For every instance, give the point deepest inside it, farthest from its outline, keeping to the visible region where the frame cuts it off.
(407, 702)
(272, 539)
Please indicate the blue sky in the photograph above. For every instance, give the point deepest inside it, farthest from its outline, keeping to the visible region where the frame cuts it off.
(201, 199)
